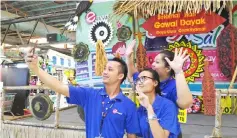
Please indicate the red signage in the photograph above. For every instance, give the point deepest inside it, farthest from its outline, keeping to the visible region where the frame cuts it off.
(182, 23)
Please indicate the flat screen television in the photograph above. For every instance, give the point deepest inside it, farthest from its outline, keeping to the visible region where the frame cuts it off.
(12, 76)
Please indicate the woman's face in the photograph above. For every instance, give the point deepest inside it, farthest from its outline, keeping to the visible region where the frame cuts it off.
(145, 82)
(159, 65)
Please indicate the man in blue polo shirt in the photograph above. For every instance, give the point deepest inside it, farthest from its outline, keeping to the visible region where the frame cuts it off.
(108, 112)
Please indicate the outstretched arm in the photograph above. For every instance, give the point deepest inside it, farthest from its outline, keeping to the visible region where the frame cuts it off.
(183, 92)
(54, 84)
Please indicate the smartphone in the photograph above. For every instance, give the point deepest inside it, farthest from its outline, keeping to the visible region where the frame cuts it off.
(35, 47)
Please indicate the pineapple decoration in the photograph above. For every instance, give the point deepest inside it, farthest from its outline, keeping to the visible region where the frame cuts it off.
(101, 58)
(208, 91)
(141, 52)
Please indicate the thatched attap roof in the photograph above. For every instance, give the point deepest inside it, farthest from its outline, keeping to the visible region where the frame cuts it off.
(147, 8)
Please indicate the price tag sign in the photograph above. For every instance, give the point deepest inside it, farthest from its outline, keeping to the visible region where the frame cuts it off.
(182, 116)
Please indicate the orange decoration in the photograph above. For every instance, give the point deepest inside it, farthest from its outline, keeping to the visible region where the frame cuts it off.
(208, 91)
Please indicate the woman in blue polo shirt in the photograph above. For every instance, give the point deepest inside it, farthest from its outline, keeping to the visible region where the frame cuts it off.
(168, 65)
(157, 115)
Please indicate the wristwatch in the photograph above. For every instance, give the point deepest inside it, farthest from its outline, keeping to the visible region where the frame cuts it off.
(152, 117)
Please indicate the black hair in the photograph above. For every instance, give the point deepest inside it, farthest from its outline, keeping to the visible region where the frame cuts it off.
(170, 56)
(123, 67)
(156, 77)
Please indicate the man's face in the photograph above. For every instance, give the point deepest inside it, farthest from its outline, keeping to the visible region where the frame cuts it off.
(111, 73)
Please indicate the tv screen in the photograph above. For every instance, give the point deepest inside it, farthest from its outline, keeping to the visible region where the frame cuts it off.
(12, 76)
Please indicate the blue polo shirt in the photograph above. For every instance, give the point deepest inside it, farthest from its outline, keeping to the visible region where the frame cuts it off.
(168, 90)
(121, 112)
(166, 113)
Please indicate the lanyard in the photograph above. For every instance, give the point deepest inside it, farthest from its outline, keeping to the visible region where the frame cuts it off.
(104, 114)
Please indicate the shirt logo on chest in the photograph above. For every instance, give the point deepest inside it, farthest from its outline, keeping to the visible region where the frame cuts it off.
(115, 111)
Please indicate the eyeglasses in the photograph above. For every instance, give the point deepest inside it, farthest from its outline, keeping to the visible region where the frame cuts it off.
(142, 79)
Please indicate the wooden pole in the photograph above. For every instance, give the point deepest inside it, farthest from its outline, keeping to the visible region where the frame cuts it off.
(56, 122)
(217, 129)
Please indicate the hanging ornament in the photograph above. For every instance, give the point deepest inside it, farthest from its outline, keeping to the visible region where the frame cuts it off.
(124, 33)
(208, 91)
(90, 17)
(101, 58)
(101, 30)
(80, 52)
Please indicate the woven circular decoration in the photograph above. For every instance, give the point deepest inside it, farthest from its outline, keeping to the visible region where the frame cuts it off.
(124, 33)
(81, 52)
(101, 30)
(41, 107)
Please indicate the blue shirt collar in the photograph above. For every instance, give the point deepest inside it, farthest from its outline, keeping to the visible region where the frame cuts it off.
(120, 96)
(166, 81)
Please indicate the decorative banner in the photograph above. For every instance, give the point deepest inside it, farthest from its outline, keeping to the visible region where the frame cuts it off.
(119, 47)
(211, 56)
(227, 50)
(101, 30)
(205, 40)
(148, 35)
(90, 17)
(158, 43)
(80, 52)
(182, 23)
(194, 66)
(124, 33)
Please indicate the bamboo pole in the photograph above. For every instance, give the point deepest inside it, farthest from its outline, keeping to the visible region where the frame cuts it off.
(217, 129)
(44, 125)
(56, 122)
(2, 105)
(25, 87)
(227, 91)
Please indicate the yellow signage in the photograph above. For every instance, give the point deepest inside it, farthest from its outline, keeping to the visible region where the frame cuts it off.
(182, 116)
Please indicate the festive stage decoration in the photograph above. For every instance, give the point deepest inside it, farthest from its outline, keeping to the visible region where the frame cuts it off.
(83, 6)
(181, 23)
(80, 52)
(142, 60)
(194, 66)
(124, 33)
(90, 17)
(149, 8)
(196, 107)
(227, 50)
(208, 91)
(101, 30)
(101, 58)
(120, 48)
